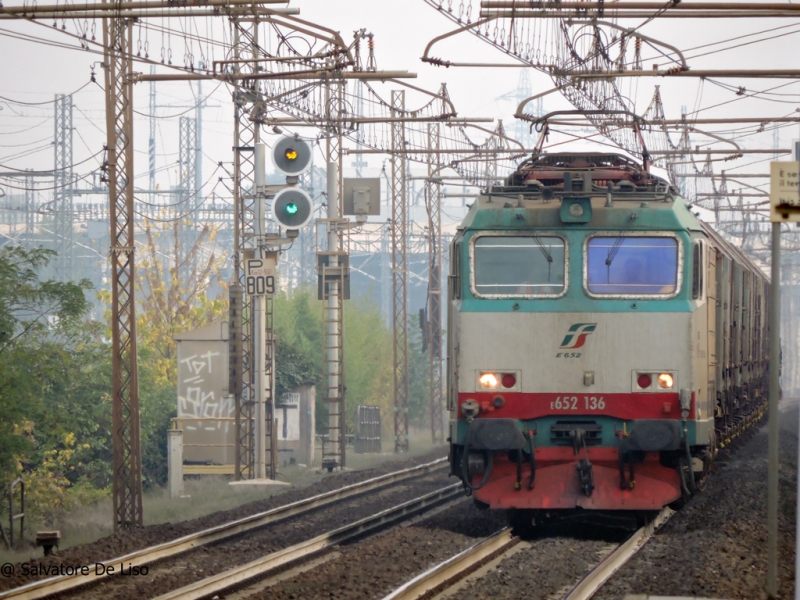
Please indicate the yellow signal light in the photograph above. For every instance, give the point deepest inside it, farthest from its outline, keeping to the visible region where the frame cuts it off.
(290, 154)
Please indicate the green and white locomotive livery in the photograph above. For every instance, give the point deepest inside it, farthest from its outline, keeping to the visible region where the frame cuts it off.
(603, 342)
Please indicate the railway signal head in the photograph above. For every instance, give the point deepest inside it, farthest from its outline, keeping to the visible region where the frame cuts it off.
(293, 208)
(291, 156)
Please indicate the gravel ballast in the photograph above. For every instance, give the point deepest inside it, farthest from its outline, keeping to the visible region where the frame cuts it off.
(122, 543)
(216, 558)
(716, 547)
(373, 567)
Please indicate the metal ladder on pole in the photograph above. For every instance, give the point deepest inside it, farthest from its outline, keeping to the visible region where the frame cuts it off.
(333, 294)
(271, 429)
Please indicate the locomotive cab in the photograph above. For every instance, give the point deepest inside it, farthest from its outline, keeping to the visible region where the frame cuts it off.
(597, 352)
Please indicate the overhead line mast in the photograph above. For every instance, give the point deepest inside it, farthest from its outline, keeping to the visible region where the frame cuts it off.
(127, 459)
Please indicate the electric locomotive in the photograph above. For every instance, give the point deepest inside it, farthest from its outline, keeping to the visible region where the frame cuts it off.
(603, 342)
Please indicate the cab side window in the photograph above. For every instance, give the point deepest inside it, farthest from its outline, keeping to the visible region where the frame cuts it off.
(697, 270)
(455, 270)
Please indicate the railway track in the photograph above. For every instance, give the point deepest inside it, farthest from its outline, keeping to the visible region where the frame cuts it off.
(174, 548)
(304, 551)
(444, 579)
(452, 571)
(613, 562)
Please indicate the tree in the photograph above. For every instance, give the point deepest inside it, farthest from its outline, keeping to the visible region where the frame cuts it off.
(173, 295)
(369, 360)
(368, 351)
(33, 314)
(419, 376)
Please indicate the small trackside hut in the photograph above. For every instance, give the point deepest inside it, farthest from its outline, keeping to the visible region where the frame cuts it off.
(603, 342)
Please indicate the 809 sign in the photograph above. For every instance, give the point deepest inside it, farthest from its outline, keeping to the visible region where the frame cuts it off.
(259, 277)
(260, 285)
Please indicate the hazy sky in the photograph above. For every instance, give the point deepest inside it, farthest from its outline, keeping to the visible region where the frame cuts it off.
(34, 72)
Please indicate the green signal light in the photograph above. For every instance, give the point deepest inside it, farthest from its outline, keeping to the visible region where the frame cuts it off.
(292, 208)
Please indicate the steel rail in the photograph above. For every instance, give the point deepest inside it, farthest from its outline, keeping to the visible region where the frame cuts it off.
(453, 570)
(450, 572)
(52, 585)
(592, 581)
(214, 585)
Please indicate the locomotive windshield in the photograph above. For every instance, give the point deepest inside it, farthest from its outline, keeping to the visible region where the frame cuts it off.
(519, 266)
(641, 266)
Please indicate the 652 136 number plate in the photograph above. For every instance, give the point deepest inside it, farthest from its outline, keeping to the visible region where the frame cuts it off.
(578, 403)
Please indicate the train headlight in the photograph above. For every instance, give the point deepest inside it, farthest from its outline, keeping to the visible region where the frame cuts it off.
(665, 381)
(488, 381)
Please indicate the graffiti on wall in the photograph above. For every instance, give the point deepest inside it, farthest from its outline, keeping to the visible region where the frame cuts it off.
(201, 392)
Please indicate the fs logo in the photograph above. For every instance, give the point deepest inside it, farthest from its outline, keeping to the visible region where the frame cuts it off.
(577, 334)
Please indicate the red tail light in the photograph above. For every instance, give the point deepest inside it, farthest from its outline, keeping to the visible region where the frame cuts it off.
(644, 381)
(509, 380)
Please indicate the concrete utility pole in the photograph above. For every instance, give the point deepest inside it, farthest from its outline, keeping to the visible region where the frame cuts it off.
(433, 191)
(783, 196)
(305, 252)
(260, 325)
(151, 140)
(198, 150)
(774, 399)
(336, 417)
(386, 273)
(332, 269)
(359, 163)
(797, 508)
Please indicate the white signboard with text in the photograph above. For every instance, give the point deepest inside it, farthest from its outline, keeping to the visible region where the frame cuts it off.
(260, 275)
(784, 192)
